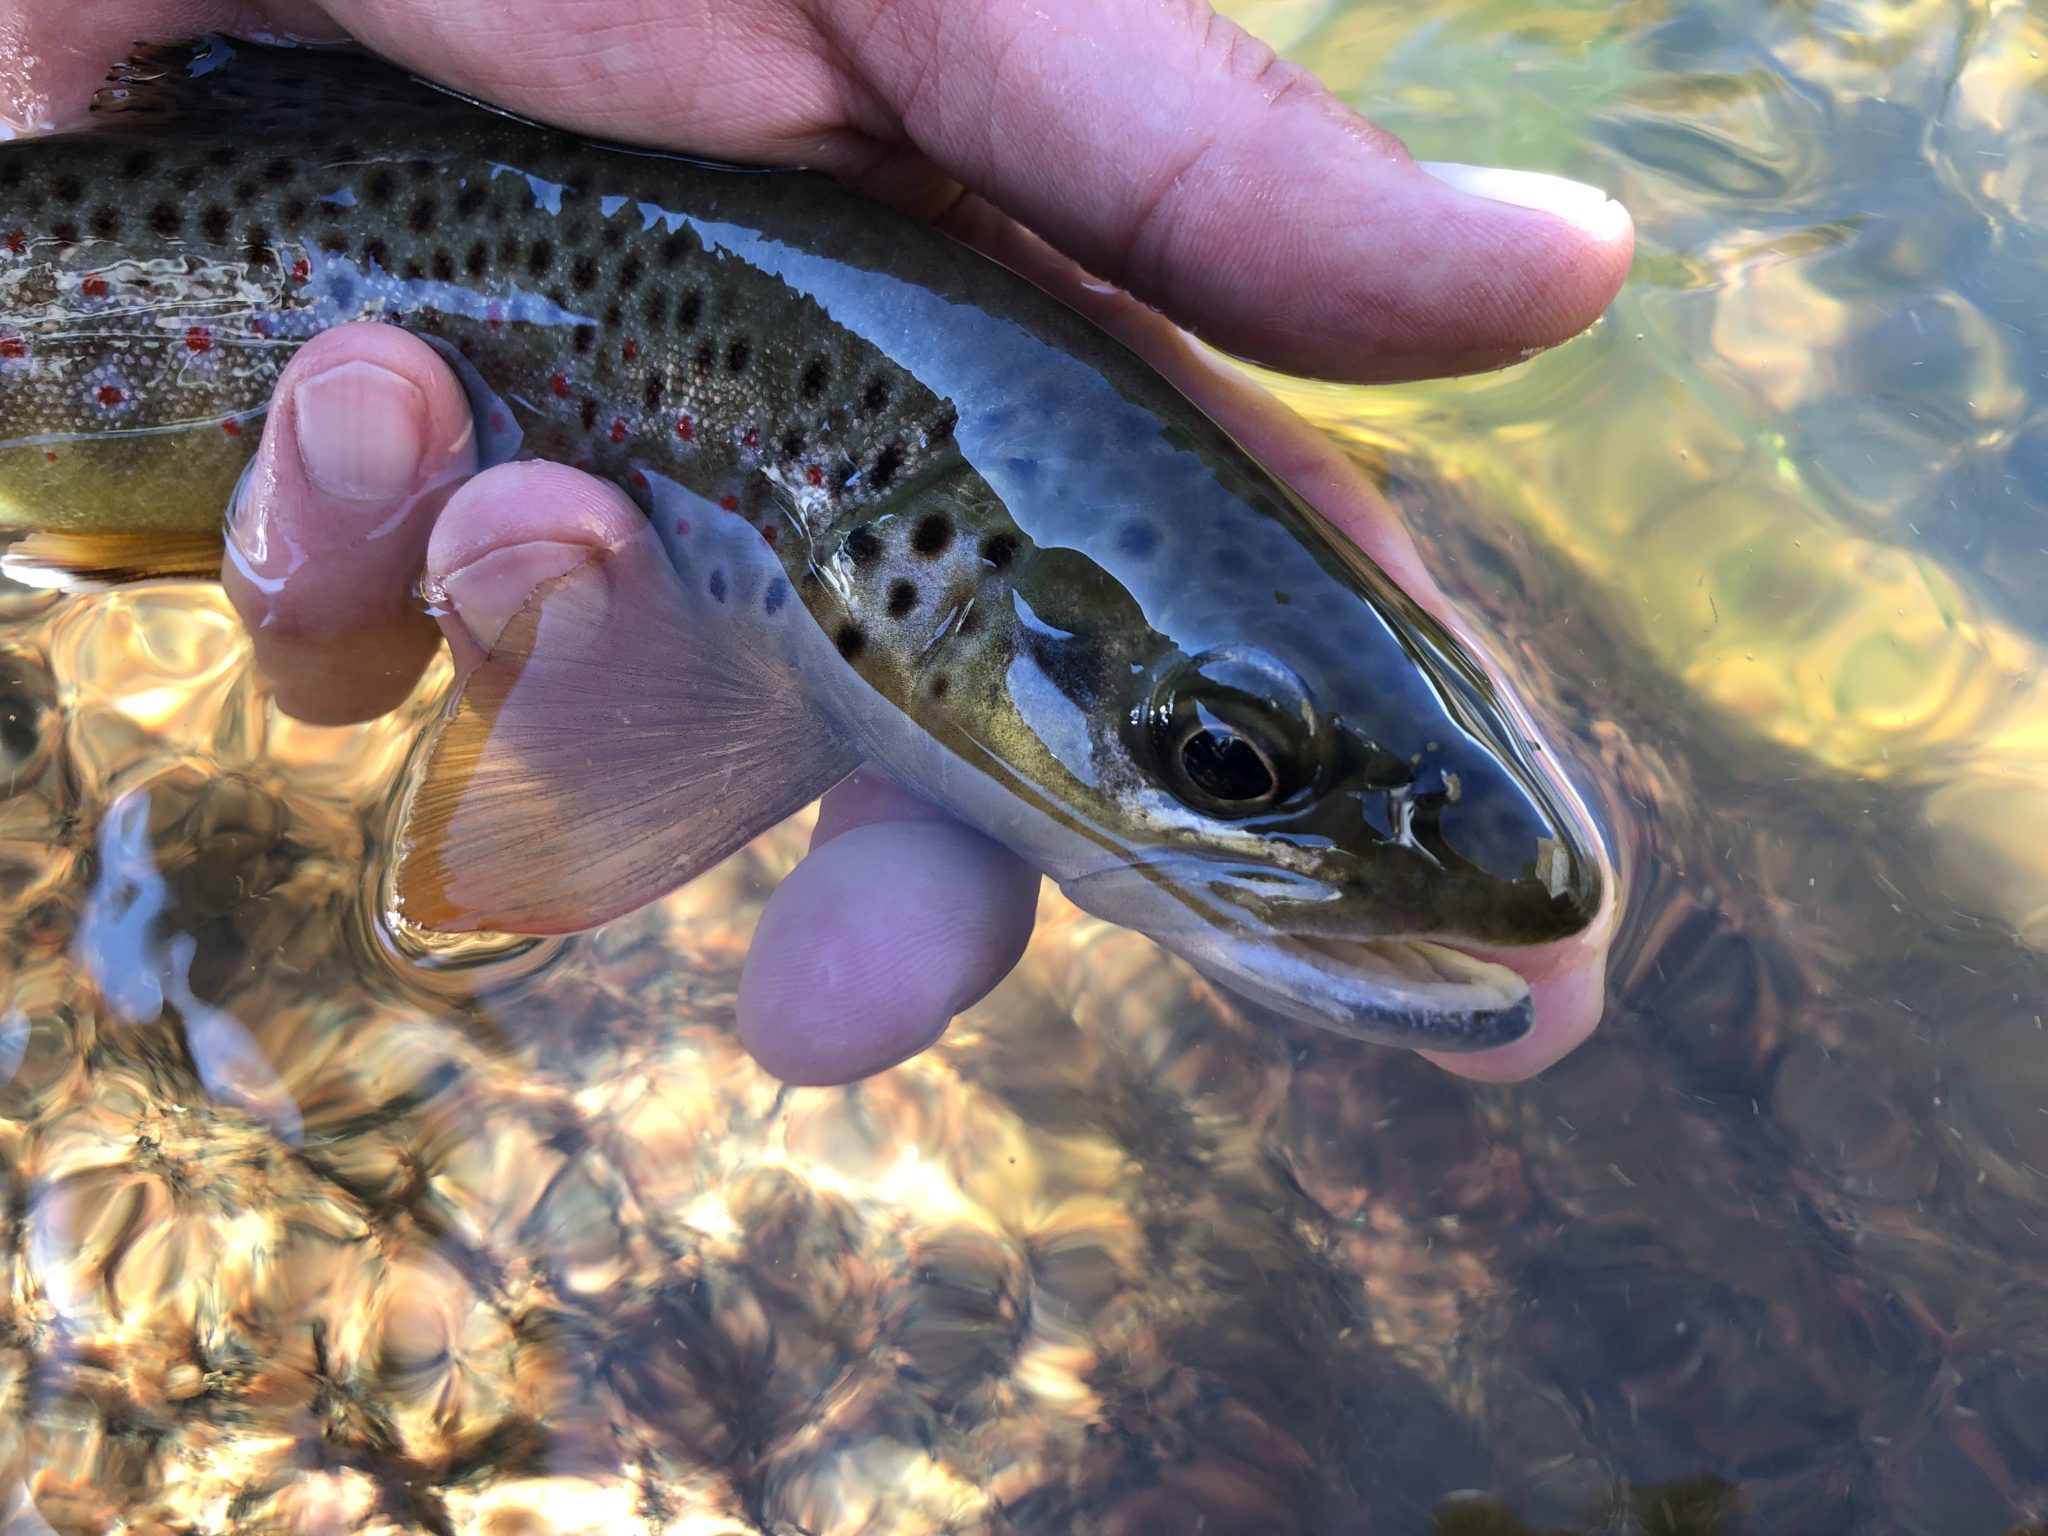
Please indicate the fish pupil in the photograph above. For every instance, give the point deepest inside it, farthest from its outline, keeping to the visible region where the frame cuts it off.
(1226, 766)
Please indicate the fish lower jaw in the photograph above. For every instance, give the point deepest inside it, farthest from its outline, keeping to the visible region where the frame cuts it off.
(1393, 990)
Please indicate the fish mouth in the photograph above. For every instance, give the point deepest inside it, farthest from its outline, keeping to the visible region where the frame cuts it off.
(1412, 992)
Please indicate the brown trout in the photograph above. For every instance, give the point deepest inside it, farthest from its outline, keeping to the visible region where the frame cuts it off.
(916, 513)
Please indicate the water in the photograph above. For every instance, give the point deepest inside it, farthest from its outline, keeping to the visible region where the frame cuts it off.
(341, 1243)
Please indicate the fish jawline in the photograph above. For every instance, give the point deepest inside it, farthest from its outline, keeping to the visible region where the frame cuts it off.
(1405, 991)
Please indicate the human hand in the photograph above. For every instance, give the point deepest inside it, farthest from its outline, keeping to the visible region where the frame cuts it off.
(1154, 144)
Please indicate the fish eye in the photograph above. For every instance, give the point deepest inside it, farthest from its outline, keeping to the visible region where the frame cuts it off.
(1231, 734)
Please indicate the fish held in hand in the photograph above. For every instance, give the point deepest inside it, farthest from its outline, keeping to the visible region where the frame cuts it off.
(909, 510)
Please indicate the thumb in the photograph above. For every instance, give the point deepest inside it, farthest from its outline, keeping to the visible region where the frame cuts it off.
(1167, 150)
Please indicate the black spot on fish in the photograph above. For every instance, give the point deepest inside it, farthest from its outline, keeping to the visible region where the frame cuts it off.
(185, 178)
(278, 171)
(816, 376)
(334, 242)
(613, 317)
(851, 640)
(508, 249)
(213, 222)
(540, 256)
(106, 225)
(651, 395)
(377, 254)
(589, 415)
(902, 597)
(584, 339)
(424, 213)
(256, 245)
(943, 424)
(882, 473)
(998, 550)
(583, 274)
(862, 547)
(166, 220)
(246, 192)
(875, 396)
(414, 272)
(941, 686)
(420, 168)
(444, 267)
(471, 199)
(556, 295)
(140, 163)
(65, 231)
(704, 358)
(792, 445)
(221, 156)
(10, 175)
(776, 595)
(717, 585)
(737, 354)
(630, 271)
(1138, 540)
(477, 260)
(611, 239)
(381, 187)
(970, 622)
(67, 189)
(689, 310)
(934, 531)
(678, 247)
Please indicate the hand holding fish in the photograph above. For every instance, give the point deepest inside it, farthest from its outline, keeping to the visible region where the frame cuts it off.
(1229, 189)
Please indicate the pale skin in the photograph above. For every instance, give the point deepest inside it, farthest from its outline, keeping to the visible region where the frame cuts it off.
(1149, 142)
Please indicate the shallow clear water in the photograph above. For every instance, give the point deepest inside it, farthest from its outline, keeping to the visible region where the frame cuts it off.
(335, 1242)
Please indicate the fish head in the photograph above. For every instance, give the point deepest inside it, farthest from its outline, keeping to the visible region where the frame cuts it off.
(1314, 794)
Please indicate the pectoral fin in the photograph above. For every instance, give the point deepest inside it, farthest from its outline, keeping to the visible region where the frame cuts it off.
(627, 731)
(84, 561)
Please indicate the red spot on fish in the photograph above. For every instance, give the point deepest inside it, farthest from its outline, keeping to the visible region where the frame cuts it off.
(683, 526)
(17, 242)
(49, 455)
(232, 428)
(630, 350)
(494, 314)
(560, 385)
(497, 421)
(13, 346)
(770, 534)
(639, 479)
(110, 394)
(94, 286)
(815, 475)
(618, 431)
(581, 464)
(258, 326)
(730, 503)
(302, 271)
(686, 429)
(753, 438)
(198, 339)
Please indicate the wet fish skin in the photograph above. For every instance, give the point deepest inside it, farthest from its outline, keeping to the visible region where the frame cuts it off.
(1065, 603)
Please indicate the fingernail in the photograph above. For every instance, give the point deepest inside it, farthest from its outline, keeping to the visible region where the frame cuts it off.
(489, 590)
(1577, 204)
(360, 431)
